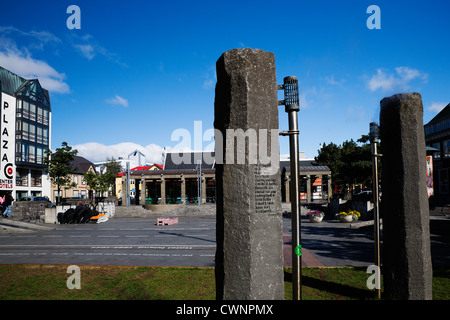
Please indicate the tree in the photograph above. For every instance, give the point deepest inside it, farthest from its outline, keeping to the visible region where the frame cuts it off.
(103, 182)
(113, 168)
(95, 182)
(350, 163)
(330, 155)
(60, 167)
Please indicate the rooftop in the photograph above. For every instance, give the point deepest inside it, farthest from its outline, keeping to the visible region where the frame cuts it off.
(81, 164)
(444, 114)
(189, 160)
(15, 85)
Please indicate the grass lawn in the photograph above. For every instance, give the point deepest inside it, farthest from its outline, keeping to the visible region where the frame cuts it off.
(40, 282)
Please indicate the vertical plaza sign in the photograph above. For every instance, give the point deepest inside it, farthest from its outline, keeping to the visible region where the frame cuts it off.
(7, 126)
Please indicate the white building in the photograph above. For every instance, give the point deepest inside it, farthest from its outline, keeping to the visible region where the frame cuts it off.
(135, 159)
(25, 136)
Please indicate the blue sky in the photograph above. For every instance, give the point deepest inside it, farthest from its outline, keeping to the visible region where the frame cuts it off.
(138, 70)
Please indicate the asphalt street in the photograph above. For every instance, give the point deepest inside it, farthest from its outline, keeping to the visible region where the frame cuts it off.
(124, 241)
(191, 242)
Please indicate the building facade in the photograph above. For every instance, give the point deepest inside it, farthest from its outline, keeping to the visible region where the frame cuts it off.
(80, 189)
(437, 137)
(190, 176)
(315, 181)
(25, 132)
(135, 159)
(120, 191)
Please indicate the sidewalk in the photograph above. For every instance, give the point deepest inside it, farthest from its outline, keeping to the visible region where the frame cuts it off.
(334, 244)
(308, 259)
(12, 225)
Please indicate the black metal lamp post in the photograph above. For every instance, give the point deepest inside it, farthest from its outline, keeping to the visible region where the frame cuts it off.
(291, 103)
(374, 140)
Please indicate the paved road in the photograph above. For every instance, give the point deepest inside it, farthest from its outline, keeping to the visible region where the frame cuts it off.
(191, 242)
(125, 241)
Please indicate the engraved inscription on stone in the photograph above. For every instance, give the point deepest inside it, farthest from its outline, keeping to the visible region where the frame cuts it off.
(265, 191)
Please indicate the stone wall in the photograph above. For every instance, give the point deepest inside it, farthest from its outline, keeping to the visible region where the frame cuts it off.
(29, 210)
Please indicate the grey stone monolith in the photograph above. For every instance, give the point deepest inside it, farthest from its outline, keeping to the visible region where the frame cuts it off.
(249, 256)
(407, 270)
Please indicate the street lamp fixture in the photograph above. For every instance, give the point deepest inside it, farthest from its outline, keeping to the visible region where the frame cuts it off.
(374, 136)
(291, 103)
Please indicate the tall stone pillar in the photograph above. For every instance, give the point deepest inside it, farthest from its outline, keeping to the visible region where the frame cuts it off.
(163, 190)
(183, 189)
(330, 189)
(144, 192)
(308, 188)
(203, 189)
(288, 188)
(249, 256)
(406, 234)
(137, 191)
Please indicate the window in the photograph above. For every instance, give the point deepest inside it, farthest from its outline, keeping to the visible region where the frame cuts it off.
(75, 179)
(18, 130)
(25, 109)
(45, 136)
(32, 153)
(25, 130)
(19, 108)
(40, 115)
(45, 117)
(55, 194)
(36, 178)
(430, 129)
(443, 181)
(22, 177)
(32, 112)
(40, 155)
(32, 134)
(437, 154)
(446, 147)
(24, 155)
(39, 137)
(75, 193)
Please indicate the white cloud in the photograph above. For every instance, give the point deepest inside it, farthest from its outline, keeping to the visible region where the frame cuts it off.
(24, 65)
(89, 48)
(41, 36)
(86, 50)
(437, 106)
(208, 84)
(210, 77)
(399, 81)
(305, 97)
(96, 152)
(118, 100)
(333, 81)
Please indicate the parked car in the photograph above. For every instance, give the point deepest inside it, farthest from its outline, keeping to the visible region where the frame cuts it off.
(49, 205)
